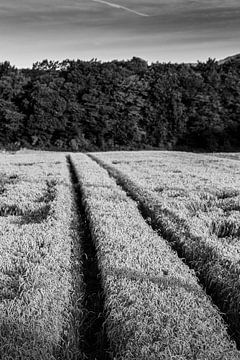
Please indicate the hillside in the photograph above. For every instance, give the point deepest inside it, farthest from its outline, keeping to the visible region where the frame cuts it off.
(229, 58)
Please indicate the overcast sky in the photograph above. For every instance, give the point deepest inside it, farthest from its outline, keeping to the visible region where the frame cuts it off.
(155, 30)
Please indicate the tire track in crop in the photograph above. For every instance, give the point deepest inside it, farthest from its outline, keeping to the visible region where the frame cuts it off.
(167, 235)
(95, 343)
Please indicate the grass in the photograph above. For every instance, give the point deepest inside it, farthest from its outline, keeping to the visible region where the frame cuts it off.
(154, 305)
(203, 227)
(84, 276)
(41, 280)
(94, 340)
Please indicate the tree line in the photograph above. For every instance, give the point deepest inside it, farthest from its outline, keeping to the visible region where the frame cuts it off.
(90, 105)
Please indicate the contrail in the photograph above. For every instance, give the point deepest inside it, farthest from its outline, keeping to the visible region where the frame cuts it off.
(120, 7)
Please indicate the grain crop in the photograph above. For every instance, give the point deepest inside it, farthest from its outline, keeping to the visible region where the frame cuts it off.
(38, 272)
(193, 200)
(155, 308)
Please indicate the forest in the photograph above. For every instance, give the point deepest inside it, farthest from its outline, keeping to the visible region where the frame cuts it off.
(120, 105)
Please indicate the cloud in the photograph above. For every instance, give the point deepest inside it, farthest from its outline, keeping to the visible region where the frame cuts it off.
(120, 7)
(158, 29)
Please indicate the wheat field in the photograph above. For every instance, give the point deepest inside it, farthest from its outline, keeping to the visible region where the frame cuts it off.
(119, 255)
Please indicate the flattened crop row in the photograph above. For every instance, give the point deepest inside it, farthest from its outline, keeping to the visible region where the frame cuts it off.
(155, 308)
(215, 264)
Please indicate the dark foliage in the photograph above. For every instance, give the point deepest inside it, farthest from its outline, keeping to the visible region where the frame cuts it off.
(89, 105)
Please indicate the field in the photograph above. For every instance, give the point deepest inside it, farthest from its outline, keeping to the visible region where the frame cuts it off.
(119, 255)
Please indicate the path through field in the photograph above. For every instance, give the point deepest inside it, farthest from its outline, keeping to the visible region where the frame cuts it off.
(119, 255)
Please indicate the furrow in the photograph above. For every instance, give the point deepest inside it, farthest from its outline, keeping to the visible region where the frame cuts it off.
(93, 332)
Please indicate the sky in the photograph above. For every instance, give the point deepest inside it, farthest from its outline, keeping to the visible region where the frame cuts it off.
(154, 30)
